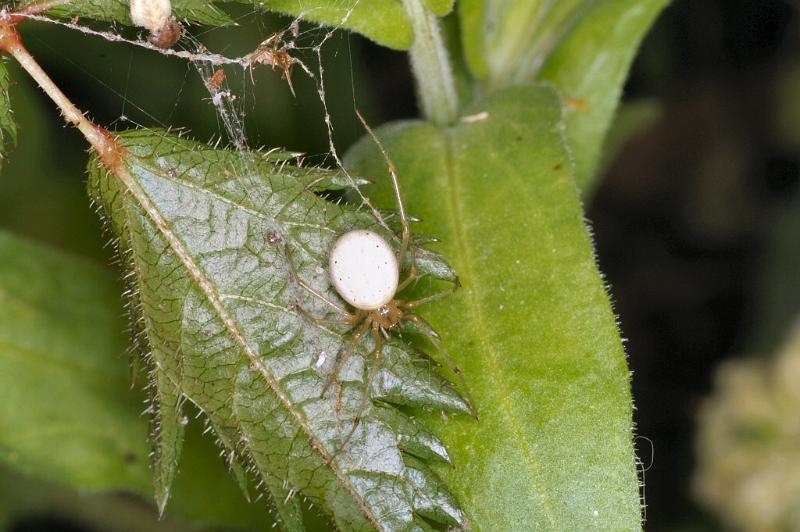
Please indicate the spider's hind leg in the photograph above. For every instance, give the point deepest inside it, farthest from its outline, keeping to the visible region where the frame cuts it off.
(377, 354)
(415, 324)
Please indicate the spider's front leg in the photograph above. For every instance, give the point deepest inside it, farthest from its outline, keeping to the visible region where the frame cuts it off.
(348, 317)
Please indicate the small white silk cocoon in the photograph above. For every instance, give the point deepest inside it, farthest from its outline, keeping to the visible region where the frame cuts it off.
(364, 269)
(151, 14)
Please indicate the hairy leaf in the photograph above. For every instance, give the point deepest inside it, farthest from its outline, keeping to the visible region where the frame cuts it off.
(193, 11)
(590, 66)
(211, 238)
(532, 329)
(65, 385)
(8, 128)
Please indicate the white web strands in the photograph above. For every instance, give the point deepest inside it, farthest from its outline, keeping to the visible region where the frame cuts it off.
(226, 101)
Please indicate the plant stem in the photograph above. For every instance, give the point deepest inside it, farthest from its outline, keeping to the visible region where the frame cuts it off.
(11, 43)
(431, 66)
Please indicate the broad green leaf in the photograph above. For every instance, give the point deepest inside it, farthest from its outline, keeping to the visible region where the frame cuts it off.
(208, 236)
(8, 128)
(590, 66)
(64, 373)
(532, 329)
(193, 11)
(383, 21)
(65, 385)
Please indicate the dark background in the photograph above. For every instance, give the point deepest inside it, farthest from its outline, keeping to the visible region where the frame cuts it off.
(695, 217)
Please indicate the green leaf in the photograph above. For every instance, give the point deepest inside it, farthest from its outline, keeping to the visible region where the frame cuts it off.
(8, 128)
(532, 329)
(65, 381)
(440, 8)
(383, 21)
(584, 47)
(506, 41)
(590, 65)
(65, 385)
(210, 237)
(193, 11)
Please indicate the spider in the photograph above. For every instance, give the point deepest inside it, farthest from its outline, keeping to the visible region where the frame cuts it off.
(272, 53)
(365, 272)
(168, 35)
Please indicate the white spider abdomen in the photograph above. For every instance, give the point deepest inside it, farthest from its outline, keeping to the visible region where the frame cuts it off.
(151, 14)
(364, 269)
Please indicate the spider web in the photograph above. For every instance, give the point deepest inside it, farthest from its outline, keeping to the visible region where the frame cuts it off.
(238, 92)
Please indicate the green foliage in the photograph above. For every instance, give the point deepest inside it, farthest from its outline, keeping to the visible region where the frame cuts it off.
(506, 41)
(65, 385)
(208, 236)
(193, 11)
(8, 128)
(590, 64)
(64, 375)
(210, 239)
(532, 329)
(383, 21)
(584, 47)
(440, 8)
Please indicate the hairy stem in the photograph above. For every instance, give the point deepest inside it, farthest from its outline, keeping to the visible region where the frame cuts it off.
(431, 66)
(10, 42)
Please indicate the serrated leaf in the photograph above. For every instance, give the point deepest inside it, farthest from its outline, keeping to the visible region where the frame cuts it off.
(65, 385)
(193, 11)
(590, 65)
(209, 235)
(383, 21)
(532, 330)
(8, 128)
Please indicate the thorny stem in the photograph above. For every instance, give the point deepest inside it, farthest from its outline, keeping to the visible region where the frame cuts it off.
(431, 66)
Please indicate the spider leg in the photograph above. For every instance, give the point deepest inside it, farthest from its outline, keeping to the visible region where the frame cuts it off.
(425, 300)
(323, 321)
(305, 285)
(424, 328)
(412, 275)
(342, 356)
(376, 364)
(404, 245)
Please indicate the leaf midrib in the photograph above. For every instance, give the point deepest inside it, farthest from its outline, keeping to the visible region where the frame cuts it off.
(206, 287)
(480, 322)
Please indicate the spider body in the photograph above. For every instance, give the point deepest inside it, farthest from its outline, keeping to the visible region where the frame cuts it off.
(364, 269)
